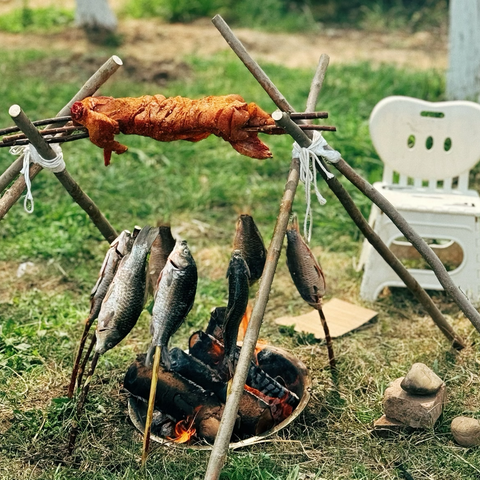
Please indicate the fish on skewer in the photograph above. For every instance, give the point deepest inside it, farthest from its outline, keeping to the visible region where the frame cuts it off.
(174, 297)
(162, 246)
(238, 275)
(249, 241)
(118, 249)
(308, 277)
(121, 306)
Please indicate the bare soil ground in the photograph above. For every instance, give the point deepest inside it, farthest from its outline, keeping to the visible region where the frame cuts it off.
(152, 41)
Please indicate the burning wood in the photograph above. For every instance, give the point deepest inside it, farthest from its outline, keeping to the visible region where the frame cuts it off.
(214, 327)
(197, 411)
(281, 400)
(176, 396)
(184, 430)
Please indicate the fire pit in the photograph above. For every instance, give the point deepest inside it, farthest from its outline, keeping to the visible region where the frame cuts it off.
(277, 363)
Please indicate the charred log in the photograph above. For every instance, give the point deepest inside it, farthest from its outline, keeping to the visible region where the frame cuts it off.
(180, 398)
(281, 400)
(215, 324)
(176, 396)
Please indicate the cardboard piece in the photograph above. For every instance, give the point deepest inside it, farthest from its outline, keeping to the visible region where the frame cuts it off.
(342, 317)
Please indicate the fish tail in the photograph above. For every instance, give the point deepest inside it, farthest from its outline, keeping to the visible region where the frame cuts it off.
(146, 236)
(165, 357)
(293, 223)
(149, 357)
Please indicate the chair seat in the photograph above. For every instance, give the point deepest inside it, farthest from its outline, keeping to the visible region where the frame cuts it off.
(414, 199)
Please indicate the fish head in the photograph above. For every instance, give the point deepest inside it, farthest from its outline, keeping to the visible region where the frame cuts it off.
(238, 263)
(107, 339)
(181, 257)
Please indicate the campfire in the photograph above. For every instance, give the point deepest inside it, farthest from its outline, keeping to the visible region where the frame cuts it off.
(191, 395)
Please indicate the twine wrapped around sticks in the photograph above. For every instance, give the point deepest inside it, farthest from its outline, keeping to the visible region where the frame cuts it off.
(31, 155)
(308, 172)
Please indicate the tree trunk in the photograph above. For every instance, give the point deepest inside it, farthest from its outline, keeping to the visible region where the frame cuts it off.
(95, 15)
(463, 76)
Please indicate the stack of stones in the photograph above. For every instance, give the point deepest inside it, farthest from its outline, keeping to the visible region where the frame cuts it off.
(415, 401)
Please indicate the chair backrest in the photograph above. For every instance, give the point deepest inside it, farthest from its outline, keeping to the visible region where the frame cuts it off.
(430, 146)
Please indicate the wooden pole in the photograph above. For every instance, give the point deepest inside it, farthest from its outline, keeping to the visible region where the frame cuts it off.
(222, 440)
(88, 89)
(342, 194)
(72, 187)
(151, 405)
(261, 77)
(317, 82)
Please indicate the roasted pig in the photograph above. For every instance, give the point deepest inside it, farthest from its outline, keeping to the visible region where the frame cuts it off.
(174, 118)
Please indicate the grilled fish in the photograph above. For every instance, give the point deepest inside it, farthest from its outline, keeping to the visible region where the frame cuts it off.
(306, 272)
(280, 399)
(175, 293)
(307, 275)
(250, 243)
(161, 249)
(124, 300)
(238, 276)
(118, 249)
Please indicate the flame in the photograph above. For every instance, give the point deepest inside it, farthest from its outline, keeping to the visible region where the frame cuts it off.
(242, 329)
(216, 351)
(279, 407)
(184, 429)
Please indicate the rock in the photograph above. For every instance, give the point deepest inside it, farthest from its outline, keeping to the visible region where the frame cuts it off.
(466, 431)
(413, 410)
(386, 427)
(421, 380)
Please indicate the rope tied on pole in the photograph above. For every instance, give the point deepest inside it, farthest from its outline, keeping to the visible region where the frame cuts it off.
(308, 172)
(31, 155)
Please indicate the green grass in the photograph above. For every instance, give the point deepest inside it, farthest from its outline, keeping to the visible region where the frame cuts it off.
(200, 188)
(34, 20)
(269, 15)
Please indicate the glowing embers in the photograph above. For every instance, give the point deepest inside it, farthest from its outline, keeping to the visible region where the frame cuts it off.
(264, 409)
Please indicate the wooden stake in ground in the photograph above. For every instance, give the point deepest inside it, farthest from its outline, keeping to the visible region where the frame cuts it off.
(338, 189)
(88, 89)
(219, 451)
(220, 447)
(151, 405)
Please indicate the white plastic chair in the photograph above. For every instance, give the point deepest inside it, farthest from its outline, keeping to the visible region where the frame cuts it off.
(428, 150)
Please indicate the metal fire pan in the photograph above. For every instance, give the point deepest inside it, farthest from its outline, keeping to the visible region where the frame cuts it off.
(137, 409)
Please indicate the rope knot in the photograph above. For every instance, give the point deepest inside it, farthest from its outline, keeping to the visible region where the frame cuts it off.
(318, 147)
(31, 155)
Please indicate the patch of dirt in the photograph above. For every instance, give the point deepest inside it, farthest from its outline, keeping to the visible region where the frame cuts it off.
(39, 276)
(152, 43)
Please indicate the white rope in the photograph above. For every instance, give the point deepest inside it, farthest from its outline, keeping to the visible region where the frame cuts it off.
(31, 155)
(318, 147)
